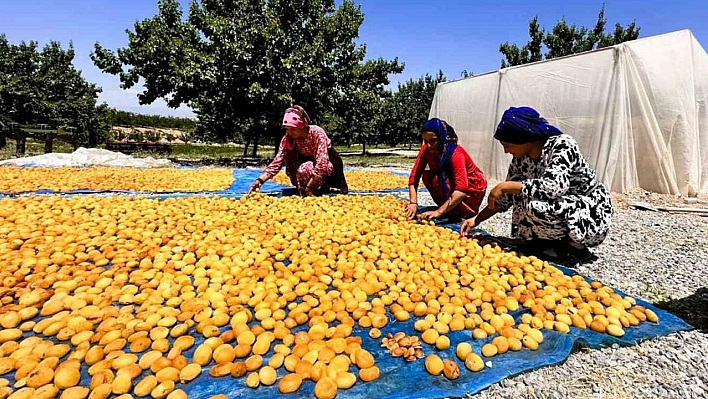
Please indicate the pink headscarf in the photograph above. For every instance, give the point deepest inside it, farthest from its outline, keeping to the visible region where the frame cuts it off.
(296, 117)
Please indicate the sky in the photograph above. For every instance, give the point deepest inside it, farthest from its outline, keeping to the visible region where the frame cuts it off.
(447, 35)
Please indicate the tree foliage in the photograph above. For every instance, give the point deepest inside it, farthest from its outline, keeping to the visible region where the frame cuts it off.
(565, 39)
(408, 108)
(126, 118)
(240, 63)
(359, 110)
(43, 87)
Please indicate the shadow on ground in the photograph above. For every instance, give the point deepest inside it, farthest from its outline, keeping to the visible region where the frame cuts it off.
(232, 162)
(693, 308)
(551, 251)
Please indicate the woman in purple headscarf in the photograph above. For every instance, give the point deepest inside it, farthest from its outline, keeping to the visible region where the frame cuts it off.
(454, 181)
(558, 203)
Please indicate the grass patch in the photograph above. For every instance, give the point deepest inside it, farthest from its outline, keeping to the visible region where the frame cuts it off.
(192, 151)
(33, 148)
(357, 148)
(371, 160)
(226, 155)
(197, 152)
(233, 155)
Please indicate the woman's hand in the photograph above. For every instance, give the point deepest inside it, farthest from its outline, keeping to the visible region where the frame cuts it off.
(501, 189)
(494, 195)
(411, 210)
(255, 187)
(467, 226)
(309, 192)
(430, 215)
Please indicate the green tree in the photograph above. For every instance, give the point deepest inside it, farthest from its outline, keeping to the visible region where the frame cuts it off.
(530, 52)
(620, 35)
(240, 63)
(20, 86)
(126, 118)
(361, 101)
(408, 108)
(43, 87)
(565, 39)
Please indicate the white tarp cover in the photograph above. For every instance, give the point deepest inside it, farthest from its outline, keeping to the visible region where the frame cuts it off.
(84, 157)
(638, 111)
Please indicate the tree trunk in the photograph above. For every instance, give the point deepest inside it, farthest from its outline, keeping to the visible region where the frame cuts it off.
(363, 147)
(245, 147)
(48, 141)
(21, 141)
(3, 140)
(92, 139)
(254, 151)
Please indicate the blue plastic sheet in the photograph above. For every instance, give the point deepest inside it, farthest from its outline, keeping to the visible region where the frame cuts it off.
(400, 379)
(243, 178)
(236, 186)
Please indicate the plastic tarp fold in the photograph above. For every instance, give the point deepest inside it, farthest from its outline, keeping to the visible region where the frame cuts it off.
(85, 157)
(637, 110)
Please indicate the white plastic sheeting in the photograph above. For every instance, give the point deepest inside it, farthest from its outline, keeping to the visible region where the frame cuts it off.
(84, 157)
(638, 111)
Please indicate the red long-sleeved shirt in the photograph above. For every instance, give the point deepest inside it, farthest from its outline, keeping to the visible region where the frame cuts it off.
(463, 173)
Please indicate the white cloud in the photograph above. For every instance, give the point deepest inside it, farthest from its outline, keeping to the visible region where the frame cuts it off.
(127, 100)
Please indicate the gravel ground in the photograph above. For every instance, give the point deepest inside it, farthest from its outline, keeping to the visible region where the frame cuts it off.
(656, 256)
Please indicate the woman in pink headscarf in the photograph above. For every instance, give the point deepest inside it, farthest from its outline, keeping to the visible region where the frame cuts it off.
(311, 163)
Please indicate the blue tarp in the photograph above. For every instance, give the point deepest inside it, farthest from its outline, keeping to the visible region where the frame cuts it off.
(400, 379)
(243, 178)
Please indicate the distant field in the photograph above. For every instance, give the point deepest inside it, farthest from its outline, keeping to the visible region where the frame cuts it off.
(222, 154)
(351, 155)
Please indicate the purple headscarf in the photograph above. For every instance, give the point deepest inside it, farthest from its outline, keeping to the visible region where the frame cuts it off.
(523, 125)
(446, 146)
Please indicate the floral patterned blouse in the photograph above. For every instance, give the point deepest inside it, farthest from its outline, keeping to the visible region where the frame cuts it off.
(314, 145)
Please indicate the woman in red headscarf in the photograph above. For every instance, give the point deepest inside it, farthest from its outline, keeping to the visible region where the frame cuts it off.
(311, 163)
